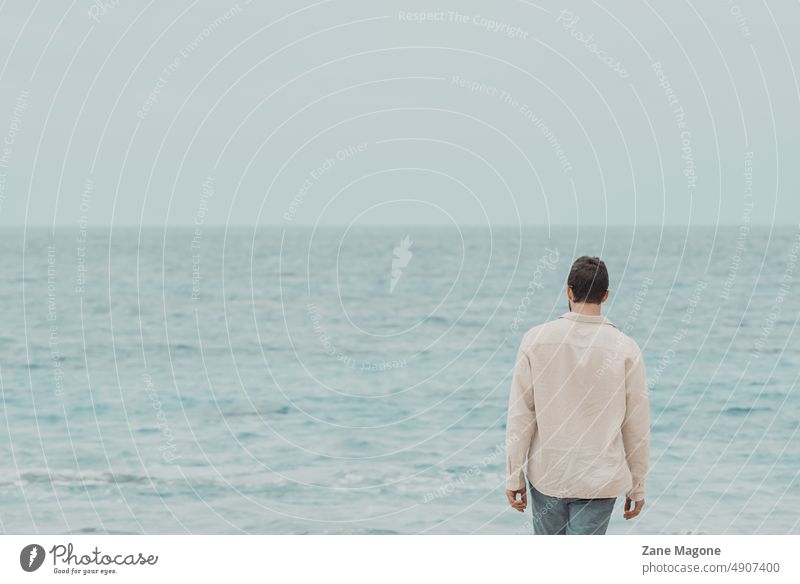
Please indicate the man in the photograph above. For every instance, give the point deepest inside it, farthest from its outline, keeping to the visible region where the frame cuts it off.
(578, 415)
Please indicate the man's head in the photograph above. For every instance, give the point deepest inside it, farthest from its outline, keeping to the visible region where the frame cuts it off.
(588, 280)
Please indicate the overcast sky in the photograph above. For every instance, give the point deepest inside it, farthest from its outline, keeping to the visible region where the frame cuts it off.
(293, 112)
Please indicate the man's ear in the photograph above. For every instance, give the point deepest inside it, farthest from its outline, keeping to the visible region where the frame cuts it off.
(605, 296)
(569, 293)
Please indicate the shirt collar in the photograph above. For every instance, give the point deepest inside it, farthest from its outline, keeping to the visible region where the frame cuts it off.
(578, 317)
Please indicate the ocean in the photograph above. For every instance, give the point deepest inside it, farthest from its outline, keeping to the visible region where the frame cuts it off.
(355, 380)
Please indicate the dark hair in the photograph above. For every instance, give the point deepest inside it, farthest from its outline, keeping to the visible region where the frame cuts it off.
(588, 279)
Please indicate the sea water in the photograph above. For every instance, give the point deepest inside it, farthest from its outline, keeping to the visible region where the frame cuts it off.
(335, 380)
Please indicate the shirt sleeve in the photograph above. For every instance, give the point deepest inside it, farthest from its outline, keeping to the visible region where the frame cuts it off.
(636, 424)
(521, 422)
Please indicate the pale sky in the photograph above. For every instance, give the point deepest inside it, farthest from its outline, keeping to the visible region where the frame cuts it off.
(346, 112)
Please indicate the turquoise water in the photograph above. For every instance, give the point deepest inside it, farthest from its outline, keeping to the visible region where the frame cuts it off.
(229, 381)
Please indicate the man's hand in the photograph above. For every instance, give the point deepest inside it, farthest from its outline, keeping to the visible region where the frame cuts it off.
(512, 499)
(637, 507)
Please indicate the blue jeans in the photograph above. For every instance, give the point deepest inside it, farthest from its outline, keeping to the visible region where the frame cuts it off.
(569, 516)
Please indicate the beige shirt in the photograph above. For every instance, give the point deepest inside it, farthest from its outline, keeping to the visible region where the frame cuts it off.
(578, 413)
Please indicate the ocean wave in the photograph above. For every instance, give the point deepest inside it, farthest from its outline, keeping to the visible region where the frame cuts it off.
(78, 478)
(744, 410)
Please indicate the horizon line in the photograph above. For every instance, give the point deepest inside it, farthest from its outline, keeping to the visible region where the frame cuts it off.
(344, 225)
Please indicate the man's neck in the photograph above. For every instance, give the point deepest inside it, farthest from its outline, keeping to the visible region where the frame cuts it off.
(586, 308)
